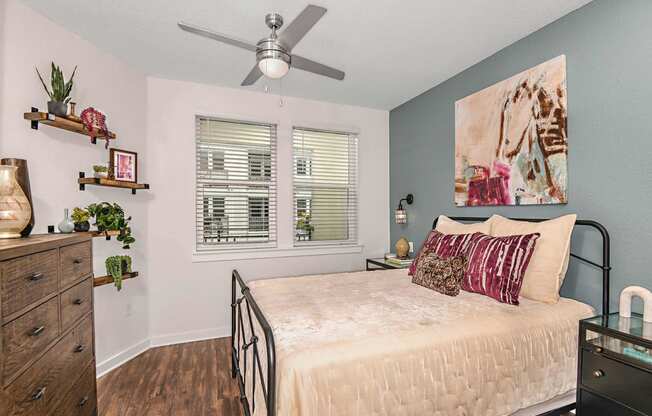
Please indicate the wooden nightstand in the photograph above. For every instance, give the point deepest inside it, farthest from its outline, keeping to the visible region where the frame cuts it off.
(382, 264)
(615, 367)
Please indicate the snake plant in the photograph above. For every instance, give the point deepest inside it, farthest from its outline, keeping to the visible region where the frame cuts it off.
(60, 90)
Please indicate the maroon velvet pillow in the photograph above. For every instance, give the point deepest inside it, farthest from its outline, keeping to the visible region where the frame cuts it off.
(496, 265)
(443, 245)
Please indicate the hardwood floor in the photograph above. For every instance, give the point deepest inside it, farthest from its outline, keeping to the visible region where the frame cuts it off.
(192, 379)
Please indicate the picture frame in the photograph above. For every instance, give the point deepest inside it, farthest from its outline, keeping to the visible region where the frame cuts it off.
(123, 165)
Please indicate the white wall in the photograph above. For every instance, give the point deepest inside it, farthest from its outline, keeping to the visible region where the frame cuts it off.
(56, 156)
(189, 300)
(174, 299)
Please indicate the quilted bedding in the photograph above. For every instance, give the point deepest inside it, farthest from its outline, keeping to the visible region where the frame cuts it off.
(373, 343)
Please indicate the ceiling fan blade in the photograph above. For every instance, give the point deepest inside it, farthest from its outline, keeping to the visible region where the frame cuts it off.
(300, 62)
(252, 77)
(207, 33)
(298, 28)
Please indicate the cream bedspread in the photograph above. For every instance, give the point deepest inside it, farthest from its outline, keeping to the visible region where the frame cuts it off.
(373, 343)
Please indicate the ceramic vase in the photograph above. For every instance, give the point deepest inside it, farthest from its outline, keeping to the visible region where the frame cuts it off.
(15, 209)
(66, 225)
(402, 248)
(22, 176)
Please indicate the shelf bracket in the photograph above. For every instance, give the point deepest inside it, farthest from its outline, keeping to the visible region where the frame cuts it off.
(34, 123)
(82, 186)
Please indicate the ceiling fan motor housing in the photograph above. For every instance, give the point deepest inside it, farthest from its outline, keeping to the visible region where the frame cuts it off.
(271, 47)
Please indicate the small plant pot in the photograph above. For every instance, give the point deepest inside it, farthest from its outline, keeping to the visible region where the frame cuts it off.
(81, 227)
(101, 175)
(58, 108)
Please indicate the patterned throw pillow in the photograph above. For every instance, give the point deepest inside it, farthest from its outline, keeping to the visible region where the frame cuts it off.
(496, 265)
(443, 245)
(441, 275)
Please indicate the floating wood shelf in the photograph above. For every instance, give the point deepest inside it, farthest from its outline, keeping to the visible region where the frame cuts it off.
(107, 280)
(36, 117)
(83, 181)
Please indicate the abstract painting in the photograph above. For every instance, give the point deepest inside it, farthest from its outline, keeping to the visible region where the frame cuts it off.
(511, 141)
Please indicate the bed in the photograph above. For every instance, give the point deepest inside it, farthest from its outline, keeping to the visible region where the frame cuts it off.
(373, 343)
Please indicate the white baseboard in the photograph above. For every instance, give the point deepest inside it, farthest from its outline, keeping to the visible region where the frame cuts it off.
(122, 357)
(190, 336)
(158, 341)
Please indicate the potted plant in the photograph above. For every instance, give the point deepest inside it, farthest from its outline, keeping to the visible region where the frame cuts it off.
(116, 267)
(100, 171)
(80, 218)
(303, 225)
(111, 217)
(60, 93)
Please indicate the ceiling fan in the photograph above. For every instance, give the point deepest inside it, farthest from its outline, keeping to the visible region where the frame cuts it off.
(274, 54)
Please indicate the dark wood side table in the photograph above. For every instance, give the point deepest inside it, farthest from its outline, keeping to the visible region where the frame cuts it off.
(382, 264)
(615, 366)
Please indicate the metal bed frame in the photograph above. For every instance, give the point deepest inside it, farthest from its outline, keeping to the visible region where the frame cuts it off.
(244, 306)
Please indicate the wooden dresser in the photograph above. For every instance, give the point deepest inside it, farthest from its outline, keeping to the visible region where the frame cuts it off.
(47, 366)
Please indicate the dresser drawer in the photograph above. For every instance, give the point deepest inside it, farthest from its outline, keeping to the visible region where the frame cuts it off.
(628, 385)
(76, 262)
(81, 400)
(43, 385)
(75, 303)
(594, 405)
(27, 279)
(27, 336)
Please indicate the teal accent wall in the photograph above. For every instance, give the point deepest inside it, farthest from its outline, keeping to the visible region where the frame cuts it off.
(608, 48)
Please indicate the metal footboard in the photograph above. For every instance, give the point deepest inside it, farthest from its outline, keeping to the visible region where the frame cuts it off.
(244, 344)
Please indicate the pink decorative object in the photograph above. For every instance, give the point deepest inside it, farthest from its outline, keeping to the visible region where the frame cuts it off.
(94, 121)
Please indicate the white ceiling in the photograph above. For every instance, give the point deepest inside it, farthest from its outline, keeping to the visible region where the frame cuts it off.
(390, 50)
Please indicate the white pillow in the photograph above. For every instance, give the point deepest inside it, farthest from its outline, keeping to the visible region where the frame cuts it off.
(549, 263)
(447, 226)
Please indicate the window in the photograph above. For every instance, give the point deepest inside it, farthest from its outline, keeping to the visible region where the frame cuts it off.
(325, 186)
(304, 164)
(258, 214)
(236, 184)
(260, 165)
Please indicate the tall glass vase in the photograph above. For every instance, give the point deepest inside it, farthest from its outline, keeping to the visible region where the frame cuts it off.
(15, 209)
(22, 176)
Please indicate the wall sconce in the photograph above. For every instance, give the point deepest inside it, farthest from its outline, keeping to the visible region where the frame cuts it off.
(400, 215)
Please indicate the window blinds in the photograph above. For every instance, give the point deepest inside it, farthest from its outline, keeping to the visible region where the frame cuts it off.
(235, 183)
(325, 186)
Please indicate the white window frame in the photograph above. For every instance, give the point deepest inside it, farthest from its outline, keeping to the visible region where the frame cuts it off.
(351, 242)
(224, 251)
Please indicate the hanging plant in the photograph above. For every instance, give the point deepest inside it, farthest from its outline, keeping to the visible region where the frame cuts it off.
(116, 267)
(111, 217)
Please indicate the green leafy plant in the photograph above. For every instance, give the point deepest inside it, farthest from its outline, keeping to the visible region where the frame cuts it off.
(303, 223)
(111, 217)
(60, 90)
(80, 215)
(116, 266)
(100, 168)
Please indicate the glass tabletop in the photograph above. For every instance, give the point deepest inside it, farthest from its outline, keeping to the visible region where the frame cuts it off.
(389, 262)
(634, 348)
(634, 326)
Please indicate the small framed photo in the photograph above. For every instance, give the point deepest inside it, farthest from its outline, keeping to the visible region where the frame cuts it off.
(123, 165)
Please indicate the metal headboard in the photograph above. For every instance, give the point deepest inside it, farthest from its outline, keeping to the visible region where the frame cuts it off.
(605, 266)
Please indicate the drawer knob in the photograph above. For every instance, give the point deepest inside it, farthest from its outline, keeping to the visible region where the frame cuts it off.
(598, 373)
(38, 394)
(83, 401)
(77, 261)
(37, 331)
(80, 348)
(78, 301)
(35, 277)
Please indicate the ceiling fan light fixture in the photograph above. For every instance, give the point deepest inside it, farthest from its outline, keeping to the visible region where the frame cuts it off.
(273, 67)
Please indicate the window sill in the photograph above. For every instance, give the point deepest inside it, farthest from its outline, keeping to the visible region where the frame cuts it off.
(270, 253)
